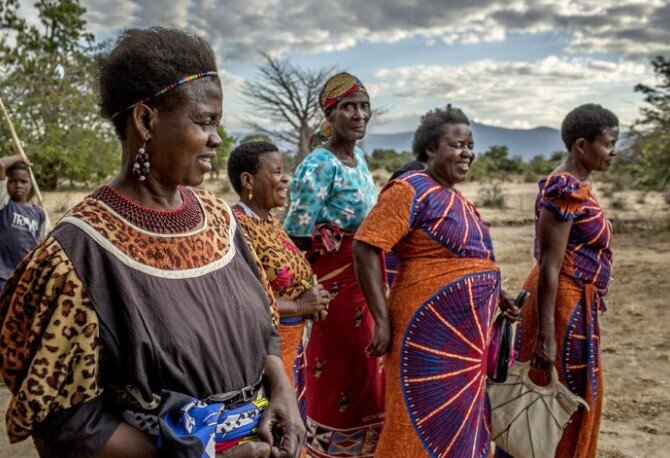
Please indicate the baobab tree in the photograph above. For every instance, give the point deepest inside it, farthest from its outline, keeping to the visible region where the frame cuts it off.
(288, 95)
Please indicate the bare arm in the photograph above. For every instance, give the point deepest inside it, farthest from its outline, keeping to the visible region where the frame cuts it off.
(281, 426)
(310, 304)
(369, 275)
(553, 236)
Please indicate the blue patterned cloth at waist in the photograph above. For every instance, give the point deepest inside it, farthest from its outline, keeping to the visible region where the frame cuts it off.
(189, 427)
(290, 320)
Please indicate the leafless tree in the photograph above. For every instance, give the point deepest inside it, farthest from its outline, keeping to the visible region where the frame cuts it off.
(289, 96)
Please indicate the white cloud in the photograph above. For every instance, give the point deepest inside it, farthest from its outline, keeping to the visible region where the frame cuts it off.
(230, 82)
(620, 36)
(526, 93)
(241, 27)
(104, 17)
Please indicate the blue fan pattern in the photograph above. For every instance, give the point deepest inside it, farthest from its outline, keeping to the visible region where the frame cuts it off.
(580, 350)
(443, 366)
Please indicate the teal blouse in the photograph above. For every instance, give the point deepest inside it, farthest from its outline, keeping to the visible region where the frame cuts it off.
(325, 190)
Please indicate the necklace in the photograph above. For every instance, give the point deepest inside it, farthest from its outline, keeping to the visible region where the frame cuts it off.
(250, 212)
(187, 217)
(440, 181)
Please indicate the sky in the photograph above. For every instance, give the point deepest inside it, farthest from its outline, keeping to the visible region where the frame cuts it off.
(507, 63)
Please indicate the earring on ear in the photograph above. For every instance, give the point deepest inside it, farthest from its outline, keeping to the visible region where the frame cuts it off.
(251, 195)
(141, 166)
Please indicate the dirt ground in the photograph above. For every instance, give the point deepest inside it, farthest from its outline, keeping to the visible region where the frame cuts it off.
(635, 336)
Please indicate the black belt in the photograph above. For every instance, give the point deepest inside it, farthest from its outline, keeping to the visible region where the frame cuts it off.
(229, 398)
(129, 397)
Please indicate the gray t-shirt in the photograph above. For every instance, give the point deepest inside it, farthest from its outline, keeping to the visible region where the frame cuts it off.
(21, 229)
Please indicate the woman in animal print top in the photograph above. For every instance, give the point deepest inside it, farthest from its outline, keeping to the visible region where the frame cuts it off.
(256, 171)
(145, 314)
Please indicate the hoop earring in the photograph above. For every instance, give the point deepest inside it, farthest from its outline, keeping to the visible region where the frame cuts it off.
(141, 166)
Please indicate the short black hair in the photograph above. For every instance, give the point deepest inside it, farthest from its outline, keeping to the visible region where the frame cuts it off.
(144, 61)
(431, 127)
(246, 157)
(18, 166)
(586, 121)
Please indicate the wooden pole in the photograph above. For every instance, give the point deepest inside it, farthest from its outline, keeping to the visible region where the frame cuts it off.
(19, 148)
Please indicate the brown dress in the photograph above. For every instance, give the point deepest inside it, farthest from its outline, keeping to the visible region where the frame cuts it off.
(121, 304)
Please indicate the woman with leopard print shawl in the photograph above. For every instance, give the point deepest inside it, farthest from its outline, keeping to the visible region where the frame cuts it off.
(145, 312)
(256, 171)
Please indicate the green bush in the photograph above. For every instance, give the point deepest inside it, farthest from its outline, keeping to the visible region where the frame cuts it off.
(388, 159)
(491, 195)
(650, 148)
(496, 163)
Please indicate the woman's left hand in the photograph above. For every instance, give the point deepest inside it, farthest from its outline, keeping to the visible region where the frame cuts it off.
(509, 310)
(281, 425)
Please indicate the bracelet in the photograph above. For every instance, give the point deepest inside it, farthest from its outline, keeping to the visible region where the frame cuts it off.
(301, 306)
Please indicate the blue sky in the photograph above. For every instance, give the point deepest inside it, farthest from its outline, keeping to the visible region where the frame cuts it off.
(511, 63)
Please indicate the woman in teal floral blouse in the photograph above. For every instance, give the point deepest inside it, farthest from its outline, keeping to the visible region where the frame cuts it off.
(332, 192)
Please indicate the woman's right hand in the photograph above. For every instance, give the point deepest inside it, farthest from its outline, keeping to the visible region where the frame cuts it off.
(544, 352)
(249, 450)
(381, 339)
(314, 302)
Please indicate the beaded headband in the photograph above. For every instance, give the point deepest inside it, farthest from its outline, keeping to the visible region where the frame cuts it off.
(168, 88)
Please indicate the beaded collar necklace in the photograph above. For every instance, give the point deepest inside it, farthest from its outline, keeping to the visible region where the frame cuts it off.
(186, 218)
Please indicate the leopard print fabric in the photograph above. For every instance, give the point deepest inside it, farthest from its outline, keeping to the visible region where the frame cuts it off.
(174, 252)
(274, 305)
(286, 268)
(49, 344)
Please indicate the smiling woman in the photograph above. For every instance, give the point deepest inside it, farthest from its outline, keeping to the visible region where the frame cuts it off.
(437, 320)
(256, 171)
(145, 311)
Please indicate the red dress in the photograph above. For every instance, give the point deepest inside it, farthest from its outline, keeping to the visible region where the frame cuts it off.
(345, 388)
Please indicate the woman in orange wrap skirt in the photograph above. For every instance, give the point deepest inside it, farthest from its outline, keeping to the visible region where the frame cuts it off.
(567, 287)
(442, 301)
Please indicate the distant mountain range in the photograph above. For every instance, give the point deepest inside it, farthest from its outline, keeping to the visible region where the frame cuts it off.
(521, 142)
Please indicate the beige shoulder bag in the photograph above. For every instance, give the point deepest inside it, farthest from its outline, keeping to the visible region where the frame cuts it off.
(527, 420)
